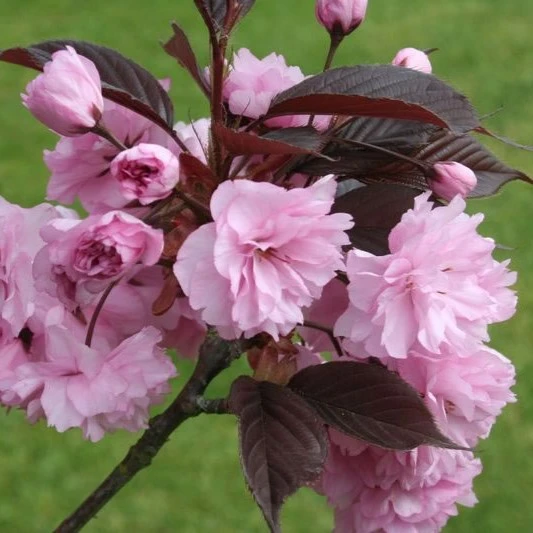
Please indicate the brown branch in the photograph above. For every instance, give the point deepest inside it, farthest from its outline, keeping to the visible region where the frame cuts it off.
(215, 355)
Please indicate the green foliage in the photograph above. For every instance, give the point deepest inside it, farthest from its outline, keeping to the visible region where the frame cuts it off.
(195, 485)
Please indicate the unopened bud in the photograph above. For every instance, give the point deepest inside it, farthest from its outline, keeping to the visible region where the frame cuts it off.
(340, 17)
(413, 59)
(451, 178)
(67, 96)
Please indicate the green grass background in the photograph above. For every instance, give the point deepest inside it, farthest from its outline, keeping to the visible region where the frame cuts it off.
(195, 484)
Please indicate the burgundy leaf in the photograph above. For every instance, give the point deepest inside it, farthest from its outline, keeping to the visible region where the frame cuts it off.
(370, 403)
(376, 209)
(193, 168)
(123, 81)
(403, 134)
(283, 444)
(382, 91)
(179, 47)
(214, 12)
(289, 141)
(346, 157)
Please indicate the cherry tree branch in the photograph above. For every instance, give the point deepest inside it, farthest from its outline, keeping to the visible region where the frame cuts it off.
(216, 355)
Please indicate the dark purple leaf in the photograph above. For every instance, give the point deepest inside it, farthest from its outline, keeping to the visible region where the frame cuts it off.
(283, 444)
(383, 91)
(195, 169)
(304, 137)
(179, 47)
(123, 81)
(404, 135)
(289, 141)
(376, 209)
(370, 403)
(215, 12)
(348, 158)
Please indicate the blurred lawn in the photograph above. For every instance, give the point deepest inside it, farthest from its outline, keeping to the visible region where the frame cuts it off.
(195, 484)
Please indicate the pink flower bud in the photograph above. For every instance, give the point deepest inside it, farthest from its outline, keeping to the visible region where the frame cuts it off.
(146, 172)
(67, 96)
(340, 16)
(414, 59)
(451, 179)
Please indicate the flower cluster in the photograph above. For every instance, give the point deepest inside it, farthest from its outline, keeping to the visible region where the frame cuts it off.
(271, 221)
(423, 311)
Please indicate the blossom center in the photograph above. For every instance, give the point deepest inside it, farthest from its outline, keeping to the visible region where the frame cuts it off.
(139, 173)
(97, 259)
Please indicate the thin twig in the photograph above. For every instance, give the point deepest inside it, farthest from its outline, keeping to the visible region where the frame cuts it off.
(328, 331)
(215, 355)
(177, 139)
(195, 205)
(156, 208)
(334, 42)
(245, 159)
(103, 132)
(97, 311)
(335, 39)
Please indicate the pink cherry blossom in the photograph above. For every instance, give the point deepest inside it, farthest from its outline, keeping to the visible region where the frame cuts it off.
(83, 257)
(67, 96)
(129, 309)
(379, 490)
(19, 242)
(342, 16)
(80, 166)
(439, 287)
(267, 254)
(29, 347)
(465, 393)
(414, 59)
(146, 172)
(94, 389)
(195, 137)
(451, 178)
(252, 84)
(12, 355)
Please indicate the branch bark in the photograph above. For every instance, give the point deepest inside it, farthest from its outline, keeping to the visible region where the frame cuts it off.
(215, 355)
